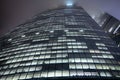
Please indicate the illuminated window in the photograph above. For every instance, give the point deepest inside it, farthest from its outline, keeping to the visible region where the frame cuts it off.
(44, 74)
(72, 66)
(102, 74)
(65, 73)
(73, 73)
(16, 76)
(105, 66)
(77, 59)
(23, 36)
(87, 73)
(10, 39)
(98, 66)
(32, 69)
(51, 74)
(37, 74)
(26, 69)
(6, 72)
(108, 74)
(58, 73)
(78, 66)
(37, 33)
(80, 72)
(22, 76)
(85, 66)
(9, 77)
(19, 70)
(29, 75)
(92, 66)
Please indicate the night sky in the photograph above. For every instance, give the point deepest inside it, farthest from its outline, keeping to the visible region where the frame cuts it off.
(15, 12)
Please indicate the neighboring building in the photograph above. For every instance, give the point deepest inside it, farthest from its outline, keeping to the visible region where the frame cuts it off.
(111, 25)
(58, 44)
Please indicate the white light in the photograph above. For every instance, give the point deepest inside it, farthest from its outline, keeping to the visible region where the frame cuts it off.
(9, 39)
(51, 31)
(69, 4)
(37, 33)
(81, 30)
(116, 29)
(110, 29)
(23, 36)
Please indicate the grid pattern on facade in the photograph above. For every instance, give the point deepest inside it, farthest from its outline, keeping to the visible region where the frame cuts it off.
(58, 43)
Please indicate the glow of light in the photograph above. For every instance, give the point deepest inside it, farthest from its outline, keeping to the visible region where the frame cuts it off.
(69, 3)
(110, 29)
(81, 30)
(116, 29)
(23, 36)
(9, 39)
(37, 33)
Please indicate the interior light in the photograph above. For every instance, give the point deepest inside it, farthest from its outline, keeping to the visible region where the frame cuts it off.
(37, 33)
(23, 36)
(81, 30)
(110, 30)
(10, 39)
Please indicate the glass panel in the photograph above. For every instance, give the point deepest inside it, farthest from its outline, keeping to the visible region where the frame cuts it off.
(10, 77)
(44, 74)
(29, 75)
(65, 73)
(16, 77)
(73, 73)
(72, 66)
(37, 74)
(58, 73)
(51, 74)
(23, 75)
(102, 74)
(80, 72)
(87, 73)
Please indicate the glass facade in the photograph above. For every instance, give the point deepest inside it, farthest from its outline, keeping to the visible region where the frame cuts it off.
(64, 42)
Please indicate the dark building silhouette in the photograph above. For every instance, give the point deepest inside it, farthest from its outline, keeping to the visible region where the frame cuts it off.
(58, 44)
(111, 25)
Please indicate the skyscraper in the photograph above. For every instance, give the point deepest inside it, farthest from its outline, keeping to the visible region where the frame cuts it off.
(56, 44)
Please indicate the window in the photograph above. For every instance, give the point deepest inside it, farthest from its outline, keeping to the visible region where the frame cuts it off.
(58, 73)
(23, 75)
(9, 77)
(83, 60)
(85, 66)
(37, 74)
(98, 66)
(94, 74)
(32, 69)
(26, 69)
(13, 71)
(77, 59)
(72, 66)
(108, 74)
(44, 74)
(51, 74)
(65, 73)
(6, 72)
(79, 66)
(80, 72)
(92, 66)
(16, 77)
(87, 73)
(73, 73)
(102, 74)
(29, 75)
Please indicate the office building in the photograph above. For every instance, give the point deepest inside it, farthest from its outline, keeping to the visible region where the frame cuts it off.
(63, 43)
(111, 25)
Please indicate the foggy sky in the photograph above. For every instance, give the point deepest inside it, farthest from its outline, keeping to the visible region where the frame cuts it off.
(15, 12)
